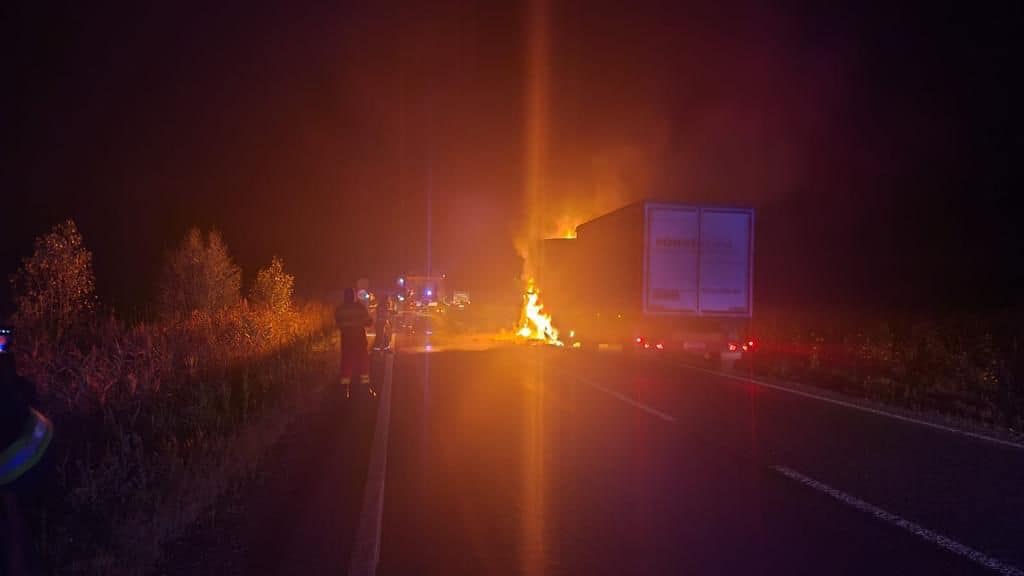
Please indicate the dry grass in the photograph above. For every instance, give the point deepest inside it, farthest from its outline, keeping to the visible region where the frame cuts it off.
(154, 421)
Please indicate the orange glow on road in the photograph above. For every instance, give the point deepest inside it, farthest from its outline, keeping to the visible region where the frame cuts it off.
(534, 552)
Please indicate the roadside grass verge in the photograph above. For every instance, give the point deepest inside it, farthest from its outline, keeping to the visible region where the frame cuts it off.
(962, 366)
(155, 421)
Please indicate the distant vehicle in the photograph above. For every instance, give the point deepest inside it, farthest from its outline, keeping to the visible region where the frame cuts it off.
(460, 300)
(418, 329)
(416, 323)
(419, 291)
(655, 276)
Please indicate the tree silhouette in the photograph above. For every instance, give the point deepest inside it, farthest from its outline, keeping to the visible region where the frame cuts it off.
(54, 289)
(273, 288)
(198, 276)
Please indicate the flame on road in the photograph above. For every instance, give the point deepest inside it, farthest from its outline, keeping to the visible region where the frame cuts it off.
(535, 324)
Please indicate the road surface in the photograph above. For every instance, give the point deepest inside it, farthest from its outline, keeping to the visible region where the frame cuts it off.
(536, 461)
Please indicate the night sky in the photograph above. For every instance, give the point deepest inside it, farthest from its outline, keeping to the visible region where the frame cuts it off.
(876, 143)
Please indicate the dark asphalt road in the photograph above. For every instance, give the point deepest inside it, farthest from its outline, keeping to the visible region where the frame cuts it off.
(534, 461)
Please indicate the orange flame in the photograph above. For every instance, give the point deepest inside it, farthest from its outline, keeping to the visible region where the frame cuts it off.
(565, 227)
(535, 323)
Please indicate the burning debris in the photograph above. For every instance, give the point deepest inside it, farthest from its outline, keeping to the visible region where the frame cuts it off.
(534, 323)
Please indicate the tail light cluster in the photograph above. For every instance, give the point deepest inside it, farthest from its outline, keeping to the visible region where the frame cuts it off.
(642, 342)
(747, 346)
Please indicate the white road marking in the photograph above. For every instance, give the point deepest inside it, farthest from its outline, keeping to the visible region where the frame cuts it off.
(899, 522)
(935, 538)
(366, 550)
(856, 406)
(626, 399)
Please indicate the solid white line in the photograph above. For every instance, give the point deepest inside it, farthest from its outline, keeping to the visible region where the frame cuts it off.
(626, 399)
(856, 406)
(366, 549)
(915, 529)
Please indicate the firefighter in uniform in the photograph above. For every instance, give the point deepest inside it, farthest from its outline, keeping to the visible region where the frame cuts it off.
(25, 435)
(353, 318)
(382, 328)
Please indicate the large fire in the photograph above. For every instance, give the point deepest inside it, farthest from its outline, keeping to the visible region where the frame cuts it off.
(535, 324)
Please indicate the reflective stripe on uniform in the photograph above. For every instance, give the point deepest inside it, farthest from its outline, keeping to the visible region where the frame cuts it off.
(27, 450)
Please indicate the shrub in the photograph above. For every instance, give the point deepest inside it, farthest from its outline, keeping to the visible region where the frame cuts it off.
(198, 276)
(154, 418)
(965, 365)
(54, 289)
(273, 288)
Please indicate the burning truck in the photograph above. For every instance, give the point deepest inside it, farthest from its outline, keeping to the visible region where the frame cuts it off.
(654, 276)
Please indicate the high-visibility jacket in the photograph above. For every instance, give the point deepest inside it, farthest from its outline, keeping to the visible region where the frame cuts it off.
(26, 451)
(352, 319)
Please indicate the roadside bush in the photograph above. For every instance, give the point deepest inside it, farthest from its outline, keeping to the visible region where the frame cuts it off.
(155, 419)
(54, 289)
(198, 276)
(271, 299)
(273, 288)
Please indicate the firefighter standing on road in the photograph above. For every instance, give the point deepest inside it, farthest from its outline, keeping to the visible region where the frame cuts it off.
(352, 319)
(382, 329)
(25, 435)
